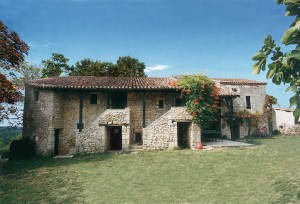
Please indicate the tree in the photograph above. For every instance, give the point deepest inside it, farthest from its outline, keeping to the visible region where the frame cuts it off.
(125, 67)
(12, 48)
(111, 69)
(88, 67)
(130, 67)
(26, 73)
(284, 67)
(12, 54)
(55, 66)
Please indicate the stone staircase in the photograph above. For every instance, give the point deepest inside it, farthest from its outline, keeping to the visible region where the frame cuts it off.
(92, 138)
(136, 147)
(162, 133)
(174, 114)
(115, 117)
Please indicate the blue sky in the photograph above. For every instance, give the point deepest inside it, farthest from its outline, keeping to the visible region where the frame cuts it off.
(172, 37)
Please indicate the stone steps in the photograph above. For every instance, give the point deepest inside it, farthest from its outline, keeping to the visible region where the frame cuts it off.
(135, 147)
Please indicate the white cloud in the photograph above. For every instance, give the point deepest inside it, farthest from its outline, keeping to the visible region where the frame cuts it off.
(38, 45)
(156, 68)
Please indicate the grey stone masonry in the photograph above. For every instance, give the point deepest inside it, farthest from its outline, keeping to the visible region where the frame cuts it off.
(70, 114)
(162, 133)
(256, 95)
(94, 138)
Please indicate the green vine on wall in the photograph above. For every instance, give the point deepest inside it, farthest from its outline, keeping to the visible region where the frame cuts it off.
(253, 119)
(269, 101)
(266, 115)
(202, 100)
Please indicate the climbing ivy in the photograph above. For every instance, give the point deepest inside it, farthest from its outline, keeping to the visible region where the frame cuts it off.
(202, 100)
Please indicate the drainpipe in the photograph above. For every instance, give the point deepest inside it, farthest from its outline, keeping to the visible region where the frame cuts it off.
(144, 109)
(231, 119)
(80, 111)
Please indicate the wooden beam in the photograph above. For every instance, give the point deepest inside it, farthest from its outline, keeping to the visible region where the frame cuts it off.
(108, 101)
(231, 118)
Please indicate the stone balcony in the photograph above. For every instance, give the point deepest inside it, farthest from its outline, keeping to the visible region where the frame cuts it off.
(114, 117)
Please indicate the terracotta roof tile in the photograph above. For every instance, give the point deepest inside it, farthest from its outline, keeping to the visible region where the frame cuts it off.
(129, 83)
(91, 82)
(234, 81)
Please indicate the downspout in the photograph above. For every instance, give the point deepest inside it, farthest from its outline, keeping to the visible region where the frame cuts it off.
(144, 109)
(80, 111)
(231, 119)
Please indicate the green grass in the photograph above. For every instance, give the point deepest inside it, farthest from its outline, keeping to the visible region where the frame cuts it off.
(266, 173)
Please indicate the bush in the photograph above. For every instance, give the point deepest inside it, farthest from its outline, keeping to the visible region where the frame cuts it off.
(276, 132)
(22, 149)
(261, 133)
(7, 135)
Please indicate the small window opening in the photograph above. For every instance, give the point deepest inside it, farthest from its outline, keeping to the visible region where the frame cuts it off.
(93, 99)
(138, 137)
(248, 102)
(161, 104)
(36, 95)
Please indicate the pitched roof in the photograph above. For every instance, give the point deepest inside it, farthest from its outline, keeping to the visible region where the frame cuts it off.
(129, 83)
(92, 82)
(235, 81)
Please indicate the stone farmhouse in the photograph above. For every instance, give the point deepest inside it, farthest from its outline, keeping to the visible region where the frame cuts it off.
(67, 115)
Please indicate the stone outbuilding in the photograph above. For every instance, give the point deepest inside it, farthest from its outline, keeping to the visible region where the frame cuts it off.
(67, 115)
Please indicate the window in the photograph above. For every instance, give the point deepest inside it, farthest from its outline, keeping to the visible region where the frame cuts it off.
(248, 102)
(179, 102)
(93, 99)
(161, 104)
(36, 95)
(138, 137)
(118, 100)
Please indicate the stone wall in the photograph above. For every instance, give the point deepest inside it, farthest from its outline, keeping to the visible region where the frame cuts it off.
(40, 118)
(70, 143)
(60, 110)
(285, 121)
(257, 95)
(95, 138)
(153, 112)
(115, 117)
(162, 133)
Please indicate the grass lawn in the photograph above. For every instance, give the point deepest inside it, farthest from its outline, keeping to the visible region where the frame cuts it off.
(266, 173)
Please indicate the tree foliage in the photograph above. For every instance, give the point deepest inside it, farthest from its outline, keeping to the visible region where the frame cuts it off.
(55, 66)
(284, 67)
(12, 48)
(8, 92)
(12, 54)
(130, 67)
(26, 73)
(202, 100)
(125, 67)
(88, 67)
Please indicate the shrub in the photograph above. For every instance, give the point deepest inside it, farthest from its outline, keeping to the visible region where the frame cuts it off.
(261, 133)
(22, 149)
(7, 135)
(202, 99)
(276, 132)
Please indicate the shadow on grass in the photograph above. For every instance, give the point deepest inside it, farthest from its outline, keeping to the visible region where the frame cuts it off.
(257, 140)
(252, 141)
(23, 166)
